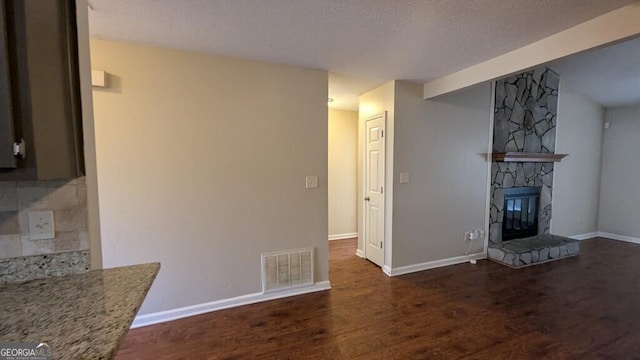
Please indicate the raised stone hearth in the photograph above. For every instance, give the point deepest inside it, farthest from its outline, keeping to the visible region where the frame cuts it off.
(533, 250)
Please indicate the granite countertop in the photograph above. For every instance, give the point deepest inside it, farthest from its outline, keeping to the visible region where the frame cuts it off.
(81, 316)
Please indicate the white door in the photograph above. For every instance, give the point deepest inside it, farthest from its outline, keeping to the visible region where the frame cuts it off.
(374, 171)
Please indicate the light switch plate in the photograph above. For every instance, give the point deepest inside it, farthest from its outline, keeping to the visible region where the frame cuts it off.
(41, 225)
(404, 177)
(312, 182)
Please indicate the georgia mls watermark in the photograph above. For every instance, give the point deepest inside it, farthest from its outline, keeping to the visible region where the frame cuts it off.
(25, 351)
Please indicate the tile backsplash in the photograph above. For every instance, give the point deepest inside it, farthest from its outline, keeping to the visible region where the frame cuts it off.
(68, 201)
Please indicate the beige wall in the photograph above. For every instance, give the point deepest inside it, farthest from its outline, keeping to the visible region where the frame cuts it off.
(576, 180)
(342, 183)
(372, 103)
(619, 195)
(202, 163)
(442, 144)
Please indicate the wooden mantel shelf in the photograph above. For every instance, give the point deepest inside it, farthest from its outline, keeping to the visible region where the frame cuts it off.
(527, 157)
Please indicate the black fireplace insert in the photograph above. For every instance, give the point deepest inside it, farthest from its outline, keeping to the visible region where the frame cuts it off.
(520, 212)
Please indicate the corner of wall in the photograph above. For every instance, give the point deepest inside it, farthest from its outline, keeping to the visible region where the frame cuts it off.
(619, 198)
(84, 61)
(374, 102)
(577, 179)
(442, 143)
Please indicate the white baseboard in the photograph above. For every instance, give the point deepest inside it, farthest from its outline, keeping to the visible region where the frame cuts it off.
(343, 236)
(435, 264)
(387, 270)
(175, 314)
(619, 237)
(360, 253)
(606, 235)
(584, 236)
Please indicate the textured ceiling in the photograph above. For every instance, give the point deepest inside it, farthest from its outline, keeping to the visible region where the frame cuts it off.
(609, 76)
(379, 40)
(345, 90)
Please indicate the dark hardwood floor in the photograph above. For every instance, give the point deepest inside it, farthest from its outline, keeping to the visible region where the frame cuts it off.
(586, 307)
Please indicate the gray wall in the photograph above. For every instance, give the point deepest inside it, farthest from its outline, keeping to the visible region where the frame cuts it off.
(442, 143)
(619, 195)
(577, 178)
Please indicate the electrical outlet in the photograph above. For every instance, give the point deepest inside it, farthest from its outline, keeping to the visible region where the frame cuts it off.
(467, 236)
(404, 177)
(41, 225)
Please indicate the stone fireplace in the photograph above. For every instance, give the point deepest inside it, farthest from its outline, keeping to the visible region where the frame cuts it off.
(524, 139)
(526, 107)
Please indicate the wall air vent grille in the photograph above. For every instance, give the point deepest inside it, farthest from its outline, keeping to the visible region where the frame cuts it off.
(287, 269)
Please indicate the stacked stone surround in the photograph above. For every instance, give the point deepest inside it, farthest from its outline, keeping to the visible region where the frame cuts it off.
(507, 175)
(525, 114)
(533, 250)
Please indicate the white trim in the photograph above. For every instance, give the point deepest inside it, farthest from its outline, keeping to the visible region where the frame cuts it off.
(175, 314)
(584, 236)
(389, 139)
(387, 270)
(619, 237)
(435, 264)
(489, 159)
(343, 236)
(610, 236)
(360, 253)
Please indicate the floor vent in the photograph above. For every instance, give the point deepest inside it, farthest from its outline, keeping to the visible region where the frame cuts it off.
(287, 269)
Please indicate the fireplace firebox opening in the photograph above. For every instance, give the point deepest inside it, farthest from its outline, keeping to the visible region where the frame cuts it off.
(520, 212)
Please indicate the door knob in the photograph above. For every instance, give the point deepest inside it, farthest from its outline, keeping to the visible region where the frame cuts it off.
(366, 198)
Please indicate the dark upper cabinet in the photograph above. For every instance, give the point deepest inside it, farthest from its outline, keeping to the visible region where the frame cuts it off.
(7, 159)
(41, 97)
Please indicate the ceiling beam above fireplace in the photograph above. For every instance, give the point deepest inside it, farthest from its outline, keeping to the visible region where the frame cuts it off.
(611, 27)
